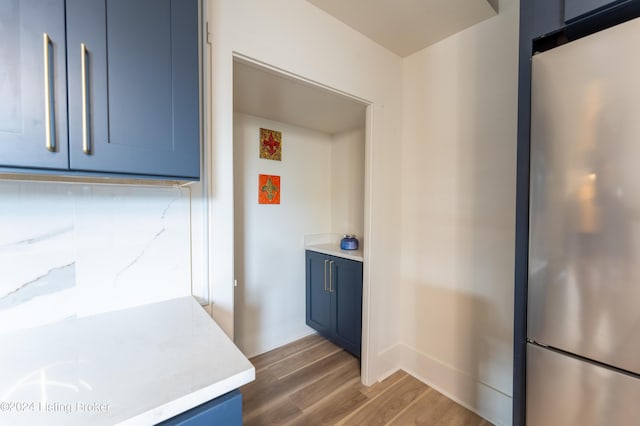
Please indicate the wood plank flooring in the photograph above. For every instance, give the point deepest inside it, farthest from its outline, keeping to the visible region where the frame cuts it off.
(313, 382)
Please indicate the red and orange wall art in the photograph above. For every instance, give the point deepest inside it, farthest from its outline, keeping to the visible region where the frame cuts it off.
(268, 189)
(271, 144)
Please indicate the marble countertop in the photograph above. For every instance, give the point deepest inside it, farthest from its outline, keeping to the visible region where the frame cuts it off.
(334, 249)
(136, 366)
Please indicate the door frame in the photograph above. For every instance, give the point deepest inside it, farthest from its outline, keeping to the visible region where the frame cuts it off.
(366, 370)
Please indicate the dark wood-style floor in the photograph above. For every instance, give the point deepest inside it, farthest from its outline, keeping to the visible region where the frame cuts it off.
(311, 382)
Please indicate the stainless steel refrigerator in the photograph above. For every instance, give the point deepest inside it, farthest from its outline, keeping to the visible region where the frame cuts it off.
(583, 317)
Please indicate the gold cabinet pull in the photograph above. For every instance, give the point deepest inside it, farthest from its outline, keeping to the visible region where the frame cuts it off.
(48, 122)
(85, 125)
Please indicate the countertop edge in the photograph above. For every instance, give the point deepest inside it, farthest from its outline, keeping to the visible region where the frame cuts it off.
(334, 250)
(200, 396)
(192, 400)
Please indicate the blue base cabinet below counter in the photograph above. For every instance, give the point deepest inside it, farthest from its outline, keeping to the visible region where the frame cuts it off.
(225, 410)
(334, 299)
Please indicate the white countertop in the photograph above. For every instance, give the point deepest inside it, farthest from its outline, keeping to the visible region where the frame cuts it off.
(137, 366)
(334, 249)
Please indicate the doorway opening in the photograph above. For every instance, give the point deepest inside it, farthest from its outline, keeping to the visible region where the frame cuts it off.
(322, 173)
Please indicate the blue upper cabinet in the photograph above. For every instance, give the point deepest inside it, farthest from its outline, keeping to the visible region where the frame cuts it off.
(33, 88)
(578, 8)
(134, 87)
(100, 87)
(546, 16)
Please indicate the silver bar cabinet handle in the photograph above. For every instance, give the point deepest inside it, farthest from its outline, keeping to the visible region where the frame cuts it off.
(325, 274)
(331, 276)
(85, 128)
(49, 142)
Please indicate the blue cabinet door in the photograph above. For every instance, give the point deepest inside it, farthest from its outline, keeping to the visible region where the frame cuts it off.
(546, 16)
(334, 299)
(577, 8)
(33, 90)
(346, 288)
(225, 410)
(319, 315)
(134, 86)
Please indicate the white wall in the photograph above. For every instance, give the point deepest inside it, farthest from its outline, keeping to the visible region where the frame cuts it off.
(69, 250)
(269, 251)
(297, 37)
(347, 183)
(441, 182)
(458, 203)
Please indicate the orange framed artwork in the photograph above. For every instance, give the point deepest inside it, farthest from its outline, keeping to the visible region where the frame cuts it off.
(268, 189)
(270, 144)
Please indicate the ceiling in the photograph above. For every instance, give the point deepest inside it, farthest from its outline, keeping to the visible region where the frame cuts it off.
(407, 26)
(268, 94)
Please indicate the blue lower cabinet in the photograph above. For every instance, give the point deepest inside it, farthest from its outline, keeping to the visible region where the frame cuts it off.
(347, 298)
(334, 299)
(318, 301)
(223, 411)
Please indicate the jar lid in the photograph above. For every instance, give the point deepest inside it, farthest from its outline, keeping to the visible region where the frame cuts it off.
(349, 235)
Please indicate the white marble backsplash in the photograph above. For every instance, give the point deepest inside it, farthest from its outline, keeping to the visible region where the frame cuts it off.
(71, 249)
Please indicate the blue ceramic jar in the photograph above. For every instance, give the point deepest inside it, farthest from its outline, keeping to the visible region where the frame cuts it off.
(349, 242)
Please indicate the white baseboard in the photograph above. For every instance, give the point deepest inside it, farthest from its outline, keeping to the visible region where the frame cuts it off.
(456, 385)
(387, 363)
